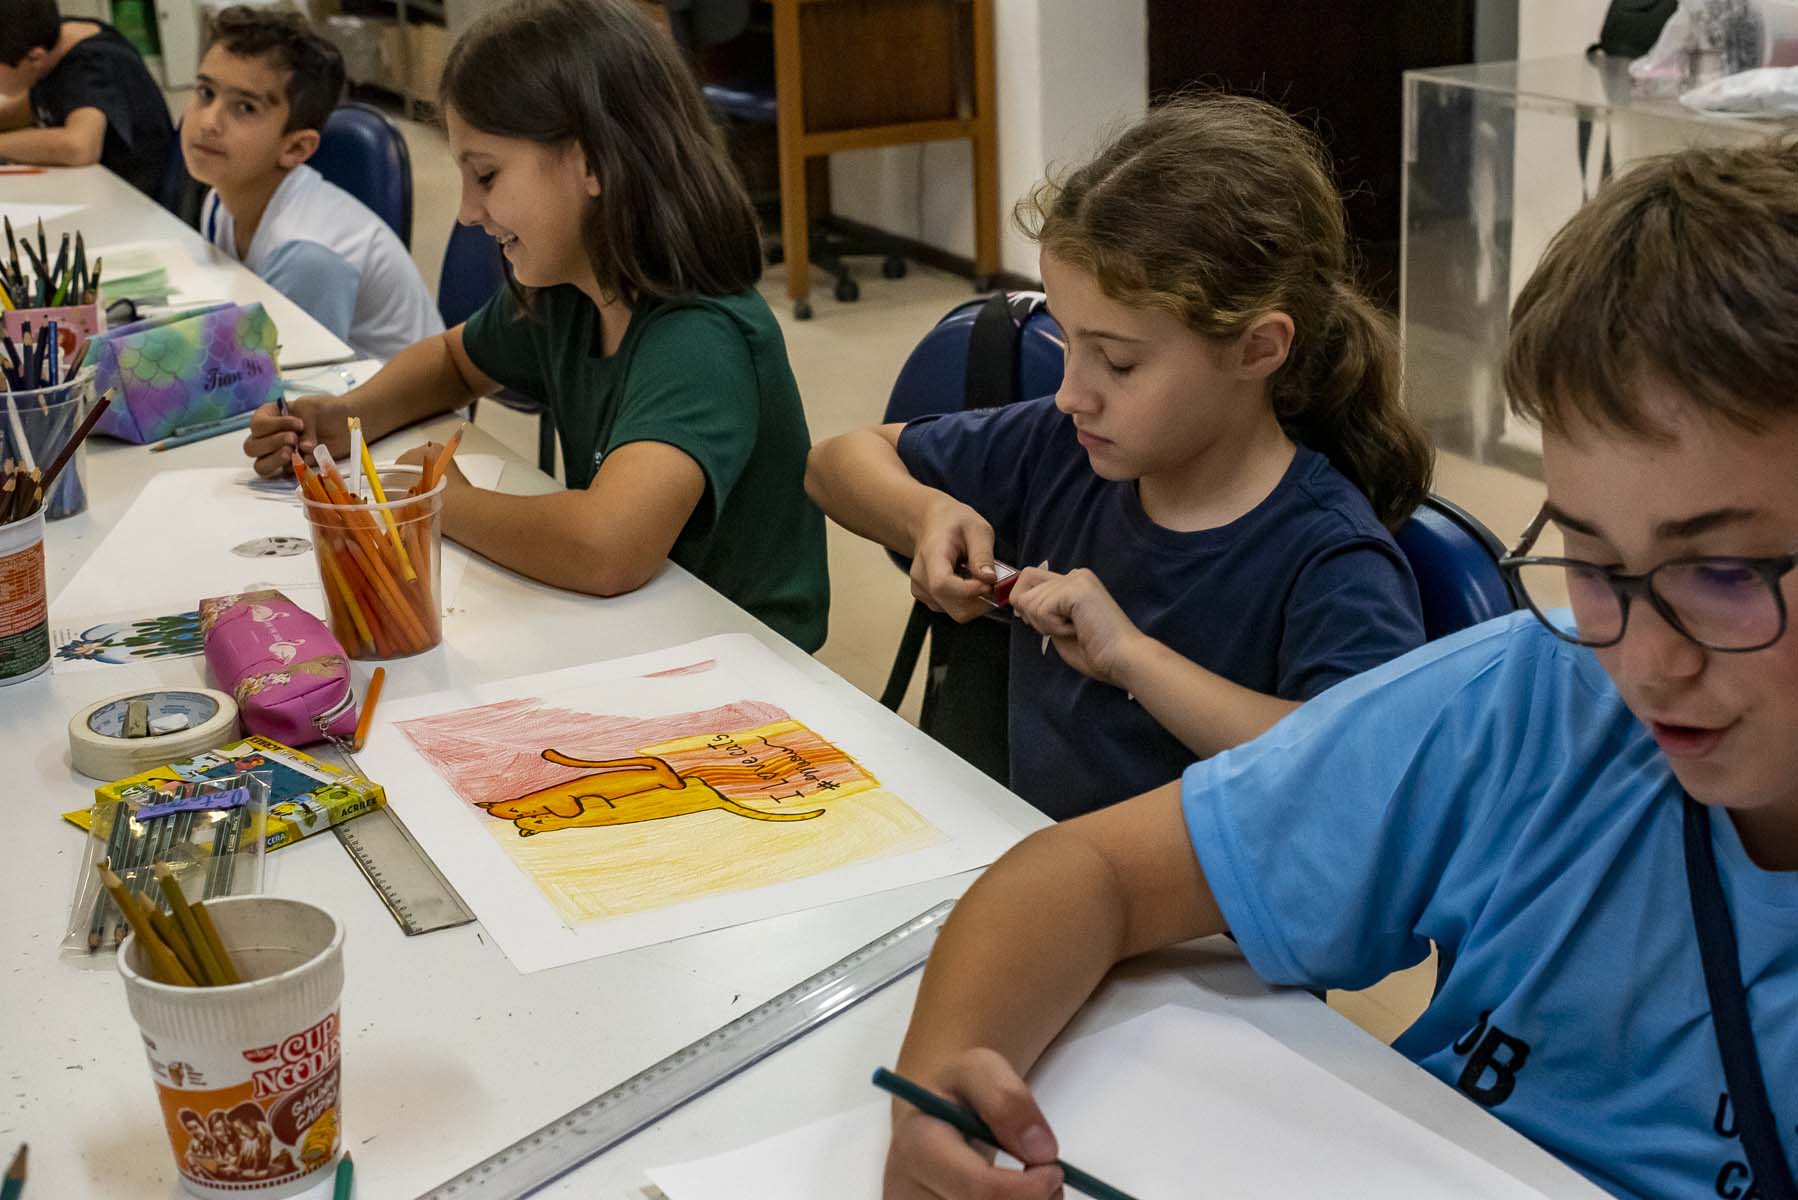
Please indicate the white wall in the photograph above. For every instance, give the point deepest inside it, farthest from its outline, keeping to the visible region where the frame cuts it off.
(1550, 27)
(1068, 71)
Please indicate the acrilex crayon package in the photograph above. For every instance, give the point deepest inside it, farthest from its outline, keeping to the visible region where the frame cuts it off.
(306, 796)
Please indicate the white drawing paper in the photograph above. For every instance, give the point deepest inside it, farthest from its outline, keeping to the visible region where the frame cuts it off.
(1177, 1102)
(621, 804)
(194, 534)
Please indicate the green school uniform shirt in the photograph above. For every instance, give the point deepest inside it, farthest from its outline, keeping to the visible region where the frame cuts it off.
(709, 376)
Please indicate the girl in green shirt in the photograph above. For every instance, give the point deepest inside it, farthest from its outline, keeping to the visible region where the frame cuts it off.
(632, 252)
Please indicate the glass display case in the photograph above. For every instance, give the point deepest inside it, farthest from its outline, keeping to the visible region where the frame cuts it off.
(1497, 157)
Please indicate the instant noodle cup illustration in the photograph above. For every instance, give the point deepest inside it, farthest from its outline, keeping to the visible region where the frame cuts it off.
(248, 1076)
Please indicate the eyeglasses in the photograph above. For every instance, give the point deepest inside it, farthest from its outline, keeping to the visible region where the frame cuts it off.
(1722, 603)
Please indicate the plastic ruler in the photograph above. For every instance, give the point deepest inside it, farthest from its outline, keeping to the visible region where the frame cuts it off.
(540, 1158)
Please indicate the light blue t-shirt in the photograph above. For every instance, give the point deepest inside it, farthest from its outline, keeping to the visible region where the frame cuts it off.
(1490, 792)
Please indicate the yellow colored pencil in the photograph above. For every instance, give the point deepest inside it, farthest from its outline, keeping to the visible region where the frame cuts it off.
(374, 486)
(164, 966)
(210, 975)
(164, 925)
(203, 917)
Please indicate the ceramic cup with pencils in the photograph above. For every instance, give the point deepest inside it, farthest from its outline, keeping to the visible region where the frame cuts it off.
(379, 555)
(247, 1074)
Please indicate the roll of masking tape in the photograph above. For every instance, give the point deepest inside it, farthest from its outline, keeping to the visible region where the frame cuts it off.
(181, 724)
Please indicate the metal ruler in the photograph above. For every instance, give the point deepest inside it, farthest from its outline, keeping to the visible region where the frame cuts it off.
(540, 1158)
(402, 874)
(396, 866)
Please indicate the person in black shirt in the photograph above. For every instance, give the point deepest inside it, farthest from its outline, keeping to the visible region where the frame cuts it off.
(86, 89)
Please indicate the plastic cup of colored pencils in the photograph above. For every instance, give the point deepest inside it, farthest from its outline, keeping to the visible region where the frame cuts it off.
(379, 555)
(36, 424)
(247, 1073)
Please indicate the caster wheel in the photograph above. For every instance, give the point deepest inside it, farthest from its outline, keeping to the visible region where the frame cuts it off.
(848, 291)
(893, 267)
(983, 283)
(802, 310)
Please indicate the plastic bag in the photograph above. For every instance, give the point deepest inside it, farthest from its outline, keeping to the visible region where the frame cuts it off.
(210, 833)
(1764, 91)
(1707, 40)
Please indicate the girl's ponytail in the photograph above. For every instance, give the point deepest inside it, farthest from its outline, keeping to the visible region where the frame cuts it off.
(1344, 399)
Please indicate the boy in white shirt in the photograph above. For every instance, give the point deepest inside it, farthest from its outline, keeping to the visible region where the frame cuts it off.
(265, 87)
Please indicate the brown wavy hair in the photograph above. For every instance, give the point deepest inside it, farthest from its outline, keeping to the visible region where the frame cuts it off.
(1219, 210)
(1683, 267)
(672, 218)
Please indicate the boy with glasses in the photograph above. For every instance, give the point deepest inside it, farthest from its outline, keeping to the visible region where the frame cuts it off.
(1593, 814)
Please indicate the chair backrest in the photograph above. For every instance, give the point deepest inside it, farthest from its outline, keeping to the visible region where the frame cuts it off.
(699, 24)
(472, 273)
(934, 377)
(1455, 559)
(362, 152)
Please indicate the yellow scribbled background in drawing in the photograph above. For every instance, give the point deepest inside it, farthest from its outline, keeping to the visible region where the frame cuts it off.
(592, 874)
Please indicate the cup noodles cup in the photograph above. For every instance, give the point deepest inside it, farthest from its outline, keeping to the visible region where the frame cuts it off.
(248, 1076)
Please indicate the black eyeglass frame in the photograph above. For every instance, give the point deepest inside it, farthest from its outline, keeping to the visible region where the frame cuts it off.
(1627, 587)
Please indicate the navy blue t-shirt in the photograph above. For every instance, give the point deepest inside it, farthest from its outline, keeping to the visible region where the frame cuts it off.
(1304, 590)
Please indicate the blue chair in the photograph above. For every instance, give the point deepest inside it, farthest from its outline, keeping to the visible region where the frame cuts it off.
(1455, 559)
(1454, 556)
(362, 152)
(473, 270)
(176, 190)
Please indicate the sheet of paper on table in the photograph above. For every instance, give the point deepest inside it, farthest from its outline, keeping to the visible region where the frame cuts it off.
(107, 641)
(1177, 1102)
(596, 809)
(199, 533)
(26, 216)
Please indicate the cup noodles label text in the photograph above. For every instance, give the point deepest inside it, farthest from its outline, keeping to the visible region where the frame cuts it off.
(249, 1119)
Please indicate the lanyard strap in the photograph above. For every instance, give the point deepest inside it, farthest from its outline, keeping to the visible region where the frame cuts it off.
(1729, 1013)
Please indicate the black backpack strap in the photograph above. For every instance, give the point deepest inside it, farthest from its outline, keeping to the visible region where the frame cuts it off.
(991, 374)
(1729, 1013)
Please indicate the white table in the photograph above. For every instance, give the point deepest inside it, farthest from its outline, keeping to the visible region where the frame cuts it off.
(449, 1053)
(113, 214)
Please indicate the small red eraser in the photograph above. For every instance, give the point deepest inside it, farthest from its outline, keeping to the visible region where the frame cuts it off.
(1005, 578)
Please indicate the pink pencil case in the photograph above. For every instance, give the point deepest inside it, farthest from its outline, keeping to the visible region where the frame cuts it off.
(288, 674)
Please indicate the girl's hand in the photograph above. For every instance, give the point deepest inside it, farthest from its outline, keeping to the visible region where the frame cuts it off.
(929, 1160)
(418, 456)
(1091, 633)
(952, 560)
(309, 420)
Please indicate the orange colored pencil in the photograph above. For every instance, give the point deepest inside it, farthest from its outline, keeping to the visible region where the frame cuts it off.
(368, 707)
(367, 544)
(434, 470)
(378, 603)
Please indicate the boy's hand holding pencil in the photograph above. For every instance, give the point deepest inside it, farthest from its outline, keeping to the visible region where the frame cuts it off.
(930, 1156)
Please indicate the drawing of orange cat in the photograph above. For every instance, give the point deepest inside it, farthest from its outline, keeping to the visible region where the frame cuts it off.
(624, 791)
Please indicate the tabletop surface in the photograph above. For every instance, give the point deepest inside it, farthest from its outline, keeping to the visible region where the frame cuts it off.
(449, 1053)
(111, 214)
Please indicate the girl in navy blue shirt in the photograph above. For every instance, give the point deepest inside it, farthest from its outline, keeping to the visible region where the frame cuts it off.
(1204, 506)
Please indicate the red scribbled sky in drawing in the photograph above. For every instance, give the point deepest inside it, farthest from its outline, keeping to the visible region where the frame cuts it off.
(698, 668)
(494, 752)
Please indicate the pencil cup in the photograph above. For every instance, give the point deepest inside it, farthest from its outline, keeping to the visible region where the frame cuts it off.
(248, 1074)
(36, 425)
(24, 609)
(381, 566)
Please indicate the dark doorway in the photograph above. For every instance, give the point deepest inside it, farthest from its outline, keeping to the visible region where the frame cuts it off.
(1337, 66)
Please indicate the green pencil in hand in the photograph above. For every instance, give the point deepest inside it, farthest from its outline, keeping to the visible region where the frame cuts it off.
(968, 1123)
